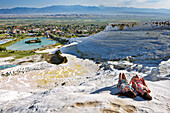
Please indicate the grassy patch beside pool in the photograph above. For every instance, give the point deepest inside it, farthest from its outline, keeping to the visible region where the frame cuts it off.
(16, 54)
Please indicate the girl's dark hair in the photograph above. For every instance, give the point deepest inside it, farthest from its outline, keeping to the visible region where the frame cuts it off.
(146, 96)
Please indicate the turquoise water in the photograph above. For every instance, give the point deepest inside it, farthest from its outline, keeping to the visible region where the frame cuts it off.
(6, 66)
(6, 40)
(21, 45)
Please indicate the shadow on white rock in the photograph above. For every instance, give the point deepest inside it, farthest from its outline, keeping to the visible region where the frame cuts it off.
(162, 72)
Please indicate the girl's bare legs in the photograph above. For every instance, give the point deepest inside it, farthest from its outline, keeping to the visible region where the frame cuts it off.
(132, 79)
(143, 81)
(120, 76)
(123, 76)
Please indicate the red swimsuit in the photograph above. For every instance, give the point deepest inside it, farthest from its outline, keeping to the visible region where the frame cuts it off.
(138, 85)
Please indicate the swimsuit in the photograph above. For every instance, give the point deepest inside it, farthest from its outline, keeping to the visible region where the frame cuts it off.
(123, 84)
(138, 85)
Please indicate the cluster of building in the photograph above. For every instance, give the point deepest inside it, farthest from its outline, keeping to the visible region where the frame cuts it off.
(69, 30)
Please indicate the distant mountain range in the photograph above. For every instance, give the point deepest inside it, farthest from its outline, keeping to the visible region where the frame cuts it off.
(78, 9)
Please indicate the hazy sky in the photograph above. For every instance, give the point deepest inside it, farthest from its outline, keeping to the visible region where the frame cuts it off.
(112, 3)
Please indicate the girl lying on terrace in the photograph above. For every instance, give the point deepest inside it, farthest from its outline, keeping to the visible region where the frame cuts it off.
(140, 87)
(124, 87)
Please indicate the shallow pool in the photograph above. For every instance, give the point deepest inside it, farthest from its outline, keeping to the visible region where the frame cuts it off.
(4, 41)
(21, 45)
(6, 66)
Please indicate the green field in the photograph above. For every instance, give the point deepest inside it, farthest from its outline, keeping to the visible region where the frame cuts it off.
(71, 19)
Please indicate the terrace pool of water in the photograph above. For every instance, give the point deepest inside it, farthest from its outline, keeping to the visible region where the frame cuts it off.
(6, 66)
(21, 45)
(5, 40)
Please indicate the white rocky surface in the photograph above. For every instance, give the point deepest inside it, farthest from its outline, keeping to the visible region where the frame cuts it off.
(28, 60)
(44, 75)
(7, 95)
(83, 86)
(25, 68)
(80, 86)
(5, 59)
(126, 26)
(161, 72)
(148, 48)
(49, 50)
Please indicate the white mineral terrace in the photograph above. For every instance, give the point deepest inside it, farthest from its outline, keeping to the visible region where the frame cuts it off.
(84, 86)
